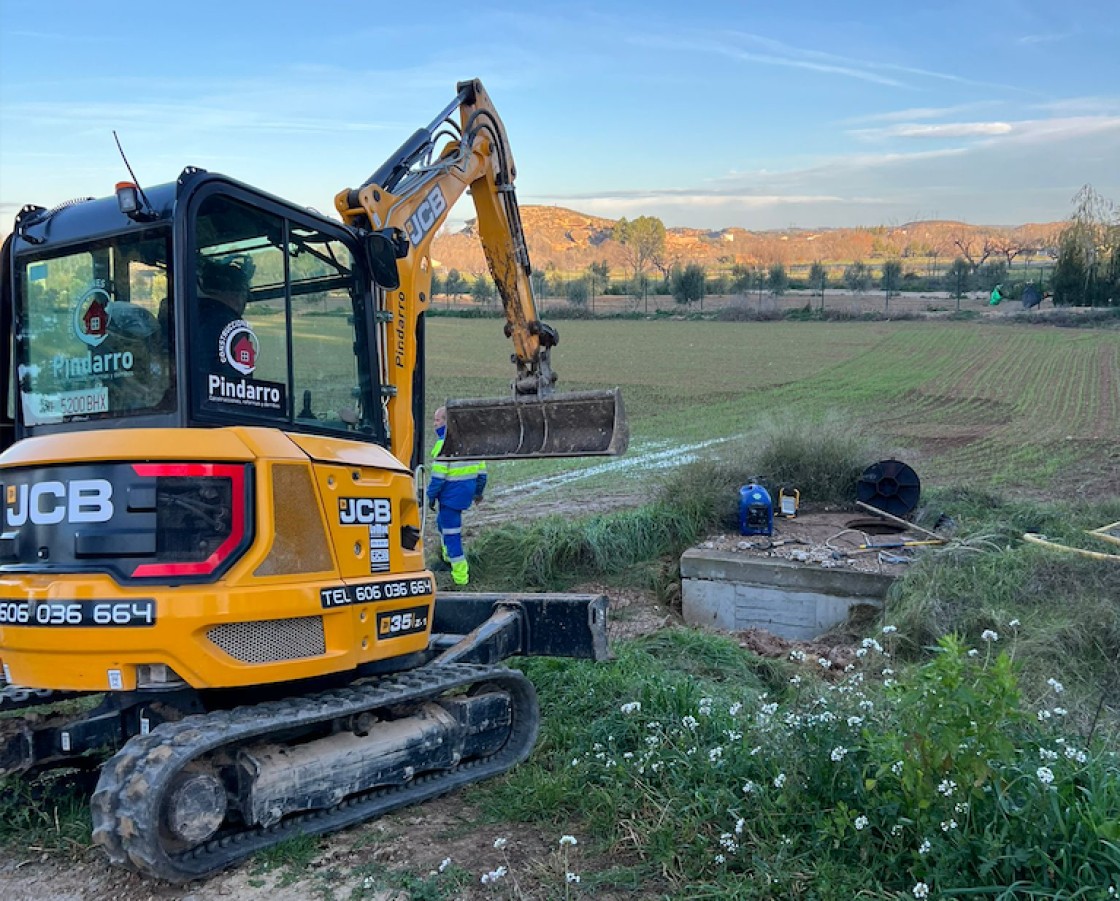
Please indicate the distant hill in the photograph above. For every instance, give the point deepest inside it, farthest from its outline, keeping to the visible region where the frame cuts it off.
(570, 241)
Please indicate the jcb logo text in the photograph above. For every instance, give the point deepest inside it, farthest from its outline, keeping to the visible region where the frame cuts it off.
(364, 511)
(49, 503)
(430, 209)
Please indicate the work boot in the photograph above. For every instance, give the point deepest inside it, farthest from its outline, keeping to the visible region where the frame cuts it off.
(460, 573)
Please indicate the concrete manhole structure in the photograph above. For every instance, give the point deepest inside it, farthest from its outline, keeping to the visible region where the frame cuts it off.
(731, 592)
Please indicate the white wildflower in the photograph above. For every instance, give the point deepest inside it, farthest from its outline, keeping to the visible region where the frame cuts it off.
(948, 825)
(824, 663)
(740, 824)
(493, 875)
(1045, 775)
(989, 636)
(887, 630)
(1014, 624)
(719, 858)
(631, 707)
(572, 877)
(920, 890)
(500, 843)
(947, 787)
(839, 753)
(715, 755)
(444, 864)
(690, 722)
(1056, 685)
(779, 780)
(924, 847)
(749, 787)
(972, 652)
(1060, 711)
(568, 840)
(861, 822)
(734, 709)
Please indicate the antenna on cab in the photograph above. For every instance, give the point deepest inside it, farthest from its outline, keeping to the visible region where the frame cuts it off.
(131, 198)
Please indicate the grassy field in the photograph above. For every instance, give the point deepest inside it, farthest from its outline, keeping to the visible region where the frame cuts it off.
(1030, 409)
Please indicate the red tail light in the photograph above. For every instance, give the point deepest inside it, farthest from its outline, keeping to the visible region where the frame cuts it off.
(201, 517)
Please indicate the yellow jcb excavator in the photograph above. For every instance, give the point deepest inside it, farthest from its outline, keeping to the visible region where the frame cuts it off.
(211, 523)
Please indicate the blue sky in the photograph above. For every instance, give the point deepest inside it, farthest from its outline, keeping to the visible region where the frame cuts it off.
(706, 114)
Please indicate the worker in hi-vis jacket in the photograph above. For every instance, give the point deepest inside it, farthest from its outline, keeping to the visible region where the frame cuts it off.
(455, 485)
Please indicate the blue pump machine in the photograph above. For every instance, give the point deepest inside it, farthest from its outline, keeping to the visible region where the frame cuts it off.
(756, 511)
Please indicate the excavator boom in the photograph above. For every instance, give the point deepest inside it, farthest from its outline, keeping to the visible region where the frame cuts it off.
(413, 193)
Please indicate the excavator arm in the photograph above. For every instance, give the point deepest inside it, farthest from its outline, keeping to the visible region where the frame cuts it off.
(410, 197)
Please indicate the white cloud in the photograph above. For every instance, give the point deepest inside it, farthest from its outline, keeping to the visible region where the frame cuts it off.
(919, 113)
(942, 130)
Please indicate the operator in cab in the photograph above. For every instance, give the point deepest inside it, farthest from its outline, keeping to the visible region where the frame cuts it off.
(455, 485)
(223, 292)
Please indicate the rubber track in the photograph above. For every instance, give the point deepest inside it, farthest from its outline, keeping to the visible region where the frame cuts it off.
(126, 804)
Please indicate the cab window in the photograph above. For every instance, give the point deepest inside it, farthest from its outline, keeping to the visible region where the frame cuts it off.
(278, 315)
(94, 338)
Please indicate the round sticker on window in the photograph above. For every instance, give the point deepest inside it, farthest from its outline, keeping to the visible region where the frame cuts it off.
(91, 317)
(238, 347)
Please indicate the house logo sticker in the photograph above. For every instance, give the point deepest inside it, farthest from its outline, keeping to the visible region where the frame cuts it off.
(91, 317)
(238, 347)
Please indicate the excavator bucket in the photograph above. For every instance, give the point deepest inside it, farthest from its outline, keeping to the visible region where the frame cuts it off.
(577, 424)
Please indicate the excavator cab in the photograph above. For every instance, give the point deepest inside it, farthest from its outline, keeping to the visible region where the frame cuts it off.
(218, 306)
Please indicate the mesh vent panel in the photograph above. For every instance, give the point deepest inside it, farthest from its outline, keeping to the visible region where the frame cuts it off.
(271, 640)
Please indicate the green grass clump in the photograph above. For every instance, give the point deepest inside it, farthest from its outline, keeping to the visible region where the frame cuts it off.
(868, 785)
(822, 457)
(556, 552)
(1059, 608)
(51, 813)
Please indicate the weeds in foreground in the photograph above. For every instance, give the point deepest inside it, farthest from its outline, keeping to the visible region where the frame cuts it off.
(879, 782)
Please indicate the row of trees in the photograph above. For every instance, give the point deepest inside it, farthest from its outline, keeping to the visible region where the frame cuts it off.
(1087, 271)
(691, 283)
